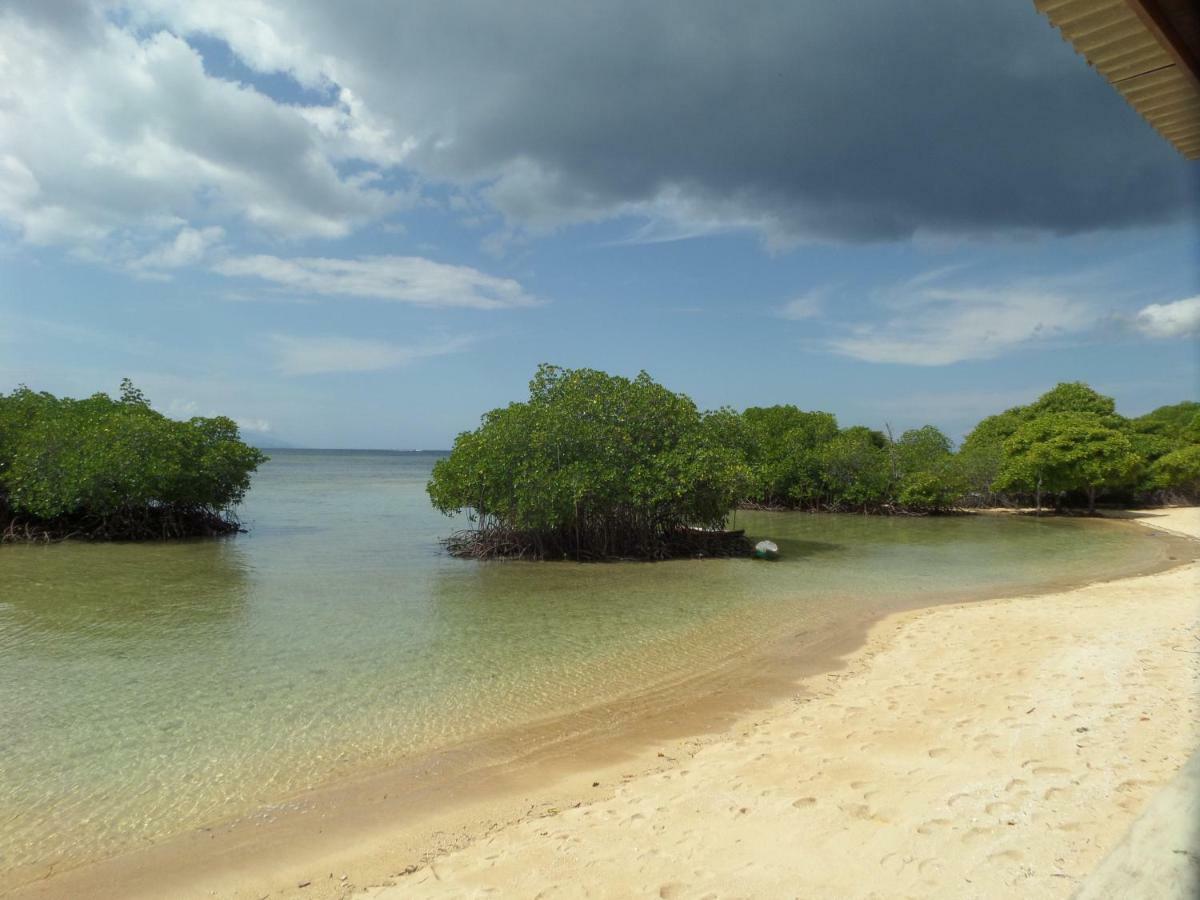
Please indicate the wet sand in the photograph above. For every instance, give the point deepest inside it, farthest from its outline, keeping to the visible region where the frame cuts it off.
(967, 750)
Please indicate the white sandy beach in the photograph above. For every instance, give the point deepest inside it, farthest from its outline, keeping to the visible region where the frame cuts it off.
(992, 749)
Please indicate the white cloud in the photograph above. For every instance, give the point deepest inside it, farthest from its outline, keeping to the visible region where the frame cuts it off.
(296, 355)
(349, 130)
(111, 139)
(1170, 320)
(940, 326)
(402, 279)
(187, 248)
(806, 306)
(262, 33)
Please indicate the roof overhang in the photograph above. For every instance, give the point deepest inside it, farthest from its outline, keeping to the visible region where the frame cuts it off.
(1149, 50)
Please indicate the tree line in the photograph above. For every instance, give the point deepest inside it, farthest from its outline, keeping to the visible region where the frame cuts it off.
(599, 466)
(1068, 448)
(101, 468)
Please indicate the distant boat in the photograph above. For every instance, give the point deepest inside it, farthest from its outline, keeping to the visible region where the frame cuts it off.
(766, 550)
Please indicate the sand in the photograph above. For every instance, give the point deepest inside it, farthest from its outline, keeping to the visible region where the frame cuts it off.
(1160, 855)
(993, 749)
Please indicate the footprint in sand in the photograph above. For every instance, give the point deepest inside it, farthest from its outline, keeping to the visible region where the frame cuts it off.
(977, 834)
(937, 752)
(932, 825)
(1131, 785)
(805, 802)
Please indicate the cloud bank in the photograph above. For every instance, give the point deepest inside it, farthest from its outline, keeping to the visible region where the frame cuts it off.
(937, 327)
(109, 133)
(857, 121)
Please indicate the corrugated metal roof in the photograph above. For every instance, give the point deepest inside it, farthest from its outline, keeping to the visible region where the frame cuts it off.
(1127, 44)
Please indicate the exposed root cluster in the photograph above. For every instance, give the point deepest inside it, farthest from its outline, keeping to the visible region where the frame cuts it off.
(499, 542)
(158, 523)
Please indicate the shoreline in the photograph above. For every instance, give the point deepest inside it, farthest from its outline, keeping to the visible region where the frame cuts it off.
(1003, 748)
(375, 826)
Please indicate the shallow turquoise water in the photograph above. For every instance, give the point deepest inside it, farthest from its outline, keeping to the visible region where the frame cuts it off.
(145, 689)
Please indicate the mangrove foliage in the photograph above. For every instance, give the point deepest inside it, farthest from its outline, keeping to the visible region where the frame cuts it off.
(594, 466)
(108, 469)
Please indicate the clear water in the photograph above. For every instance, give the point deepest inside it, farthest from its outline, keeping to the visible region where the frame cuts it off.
(146, 689)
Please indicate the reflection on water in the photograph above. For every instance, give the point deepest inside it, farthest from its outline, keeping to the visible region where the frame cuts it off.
(148, 688)
(123, 589)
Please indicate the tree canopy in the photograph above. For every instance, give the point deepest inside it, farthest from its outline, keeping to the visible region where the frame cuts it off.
(591, 466)
(1067, 451)
(1072, 442)
(105, 468)
(782, 446)
(599, 465)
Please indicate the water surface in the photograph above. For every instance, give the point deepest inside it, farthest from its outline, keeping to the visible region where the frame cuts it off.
(146, 689)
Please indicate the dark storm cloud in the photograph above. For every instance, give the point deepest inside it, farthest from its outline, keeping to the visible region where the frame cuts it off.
(862, 119)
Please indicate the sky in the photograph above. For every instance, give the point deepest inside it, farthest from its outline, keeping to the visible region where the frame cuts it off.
(364, 224)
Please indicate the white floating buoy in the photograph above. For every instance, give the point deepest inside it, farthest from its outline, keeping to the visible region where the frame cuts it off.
(766, 550)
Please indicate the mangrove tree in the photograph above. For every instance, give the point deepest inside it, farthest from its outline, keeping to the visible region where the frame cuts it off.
(594, 466)
(101, 468)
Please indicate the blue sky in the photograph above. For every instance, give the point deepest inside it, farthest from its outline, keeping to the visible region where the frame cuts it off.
(366, 230)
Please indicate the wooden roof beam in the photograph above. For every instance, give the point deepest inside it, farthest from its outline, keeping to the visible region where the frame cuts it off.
(1164, 27)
